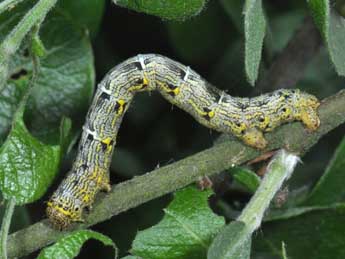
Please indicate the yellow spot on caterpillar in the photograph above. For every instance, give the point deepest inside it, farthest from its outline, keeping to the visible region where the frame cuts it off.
(286, 113)
(121, 102)
(196, 108)
(264, 122)
(211, 114)
(173, 91)
(86, 198)
(176, 91)
(99, 180)
(141, 86)
(145, 81)
(121, 106)
(107, 141)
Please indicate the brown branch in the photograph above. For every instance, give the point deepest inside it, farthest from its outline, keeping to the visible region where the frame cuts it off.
(141, 189)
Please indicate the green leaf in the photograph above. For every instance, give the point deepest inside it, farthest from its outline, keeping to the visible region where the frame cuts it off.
(332, 27)
(37, 47)
(66, 83)
(330, 188)
(9, 100)
(69, 246)
(186, 230)
(316, 234)
(27, 166)
(166, 9)
(320, 10)
(66, 80)
(86, 13)
(246, 177)
(254, 31)
(230, 243)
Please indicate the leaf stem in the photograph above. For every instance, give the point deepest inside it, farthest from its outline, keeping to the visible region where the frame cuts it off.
(279, 170)
(12, 42)
(235, 238)
(5, 226)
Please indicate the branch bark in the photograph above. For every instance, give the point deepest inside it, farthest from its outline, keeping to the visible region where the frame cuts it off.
(141, 189)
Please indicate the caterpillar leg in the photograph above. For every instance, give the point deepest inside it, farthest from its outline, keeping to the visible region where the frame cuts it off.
(310, 118)
(254, 138)
(105, 186)
(103, 182)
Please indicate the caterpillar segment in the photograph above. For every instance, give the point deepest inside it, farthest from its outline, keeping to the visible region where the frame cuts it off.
(245, 118)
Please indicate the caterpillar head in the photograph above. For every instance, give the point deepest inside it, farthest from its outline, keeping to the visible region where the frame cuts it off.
(63, 212)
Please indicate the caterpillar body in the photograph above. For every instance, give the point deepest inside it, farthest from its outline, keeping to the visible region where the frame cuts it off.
(246, 118)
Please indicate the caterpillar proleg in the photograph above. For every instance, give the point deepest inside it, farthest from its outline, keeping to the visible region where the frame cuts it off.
(246, 118)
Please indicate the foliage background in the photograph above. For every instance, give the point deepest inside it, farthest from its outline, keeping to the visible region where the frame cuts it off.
(153, 134)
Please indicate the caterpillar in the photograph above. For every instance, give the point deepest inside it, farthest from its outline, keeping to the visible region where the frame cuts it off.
(245, 118)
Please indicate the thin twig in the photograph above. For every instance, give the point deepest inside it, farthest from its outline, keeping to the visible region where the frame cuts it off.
(5, 227)
(278, 171)
(12, 42)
